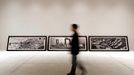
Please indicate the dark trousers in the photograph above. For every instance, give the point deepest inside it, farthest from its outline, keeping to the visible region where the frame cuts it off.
(75, 64)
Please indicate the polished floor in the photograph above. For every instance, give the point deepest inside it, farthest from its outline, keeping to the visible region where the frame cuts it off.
(58, 63)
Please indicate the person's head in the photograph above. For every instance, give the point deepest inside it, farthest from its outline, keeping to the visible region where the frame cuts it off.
(74, 27)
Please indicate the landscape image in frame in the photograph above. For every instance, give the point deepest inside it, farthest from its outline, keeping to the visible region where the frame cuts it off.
(63, 43)
(108, 43)
(26, 43)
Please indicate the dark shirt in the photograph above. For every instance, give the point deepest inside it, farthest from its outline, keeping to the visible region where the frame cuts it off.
(75, 44)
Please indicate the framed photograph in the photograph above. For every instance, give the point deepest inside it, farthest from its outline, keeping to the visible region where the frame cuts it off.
(62, 43)
(26, 43)
(108, 43)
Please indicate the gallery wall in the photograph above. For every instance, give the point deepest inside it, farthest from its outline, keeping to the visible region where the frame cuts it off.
(53, 17)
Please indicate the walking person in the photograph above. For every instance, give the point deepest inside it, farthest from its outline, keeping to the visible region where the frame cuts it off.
(75, 51)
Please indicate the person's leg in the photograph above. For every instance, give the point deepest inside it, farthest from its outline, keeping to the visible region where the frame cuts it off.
(74, 64)
(82, 68)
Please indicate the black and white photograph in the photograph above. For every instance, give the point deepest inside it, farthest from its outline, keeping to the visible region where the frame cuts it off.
(26, 43)
(63, 43)
(108, 43)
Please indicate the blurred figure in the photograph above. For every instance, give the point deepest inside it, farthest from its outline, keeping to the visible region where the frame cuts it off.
(75, 52)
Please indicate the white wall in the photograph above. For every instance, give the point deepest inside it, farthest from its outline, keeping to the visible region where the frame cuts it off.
(53, 17)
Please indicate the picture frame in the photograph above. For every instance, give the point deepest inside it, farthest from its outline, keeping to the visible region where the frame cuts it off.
(27, 43)
(108, 43)
(63, 43)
